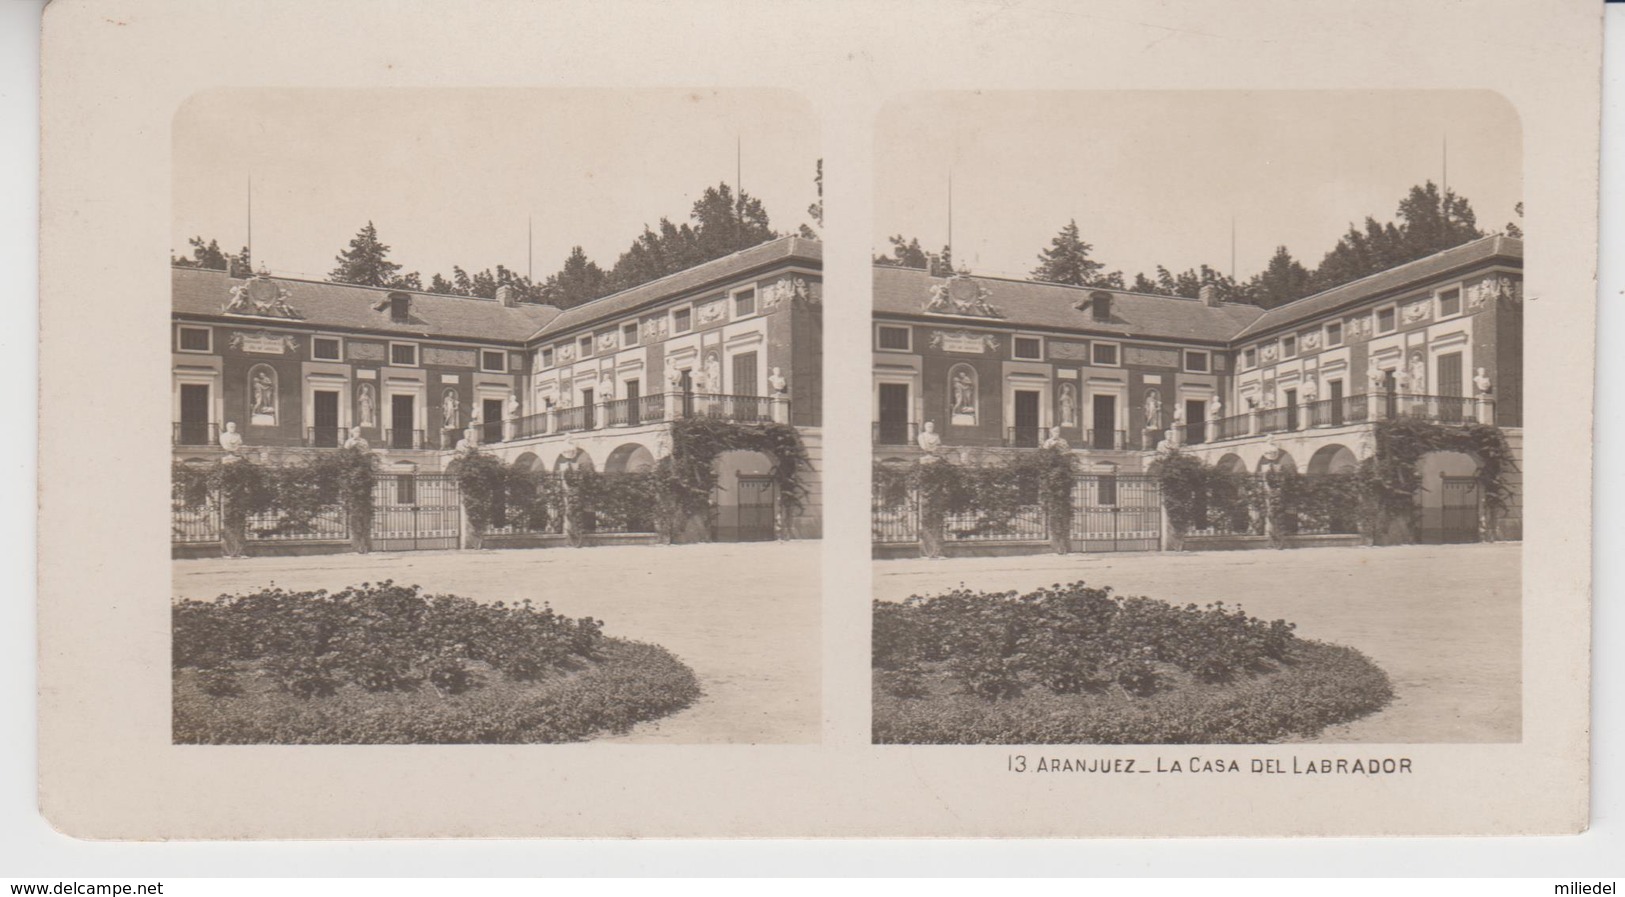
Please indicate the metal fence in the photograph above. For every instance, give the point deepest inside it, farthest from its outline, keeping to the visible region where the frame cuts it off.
(1116, 513)
(894, 521)
(195, 524)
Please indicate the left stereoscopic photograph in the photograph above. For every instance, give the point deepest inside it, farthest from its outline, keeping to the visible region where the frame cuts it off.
(496, 417)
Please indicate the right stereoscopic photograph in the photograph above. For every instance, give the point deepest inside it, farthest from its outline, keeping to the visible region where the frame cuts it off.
(1196, 418)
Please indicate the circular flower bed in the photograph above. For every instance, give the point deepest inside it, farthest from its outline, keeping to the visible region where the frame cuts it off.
(388, 664)
(1076, 665)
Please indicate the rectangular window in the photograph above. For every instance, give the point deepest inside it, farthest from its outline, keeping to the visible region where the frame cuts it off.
(325, 348)
(1104, 354)
(1289, 346)
(1030, 348)
(584, 346)
(196, 339)
(629, 334)
(1450, 303)
(1249, 358)
(403, 354)
(893, 339)
(745, 302)
(682, 320)
(547, 356)
(1334, 333)
(1196, 361)
(1387, 319)
(495, 362)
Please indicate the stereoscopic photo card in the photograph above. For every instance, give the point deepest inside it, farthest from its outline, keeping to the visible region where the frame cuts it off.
(612, 420)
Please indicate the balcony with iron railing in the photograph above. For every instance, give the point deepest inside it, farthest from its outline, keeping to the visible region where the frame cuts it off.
(324, 437)
(895, 432)
(196, 433)
(1345, 411)
(404, 439)
(641, 411)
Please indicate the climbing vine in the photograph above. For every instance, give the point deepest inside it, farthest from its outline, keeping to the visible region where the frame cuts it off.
(1394, 479)
(697, 442)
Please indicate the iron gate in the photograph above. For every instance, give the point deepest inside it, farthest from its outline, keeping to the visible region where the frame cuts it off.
(1458, 513)
(1116, 513)
(416, 511)
(752, 517)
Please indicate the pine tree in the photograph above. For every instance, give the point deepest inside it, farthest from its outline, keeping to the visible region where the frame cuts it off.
(579, 280)
(1512, 228)
(365, 262)
(1282, 280)
(816, 210)
(1067, 260)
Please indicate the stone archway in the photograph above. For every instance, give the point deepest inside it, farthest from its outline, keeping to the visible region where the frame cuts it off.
(1285, 463)
(633, 457)
(527, 462)
(1334, 458)
(579, 461)
(1450, 502)
(1231, 463)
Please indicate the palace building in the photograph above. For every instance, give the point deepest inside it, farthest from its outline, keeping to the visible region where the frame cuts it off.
(984, 365)
(292, 366)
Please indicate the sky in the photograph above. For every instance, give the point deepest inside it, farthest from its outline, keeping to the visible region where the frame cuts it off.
(1154, 177)
(450, 177)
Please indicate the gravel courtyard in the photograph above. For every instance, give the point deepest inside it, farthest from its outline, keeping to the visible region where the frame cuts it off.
(1444, 621)
(744, 617)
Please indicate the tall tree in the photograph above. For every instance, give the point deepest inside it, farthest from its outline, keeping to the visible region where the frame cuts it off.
(210, 255)
(905, 253)
(725, 223)
(1067, 261)
(366, 262)
(1512, 229)
(579, 280)
(1281, 281)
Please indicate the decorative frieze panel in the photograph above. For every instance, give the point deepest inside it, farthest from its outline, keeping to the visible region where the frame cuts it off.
(1145, 356)
(964, 342)
(452, 358)
(1357, 328)
(1069, 351)
(712, 311)
(1491, 288)
(606, 341)
(655, 328)
(961, 295)
(1419, 310)
(791, 289)
(262, 342)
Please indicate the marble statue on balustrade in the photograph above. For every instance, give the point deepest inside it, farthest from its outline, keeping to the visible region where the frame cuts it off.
(713, 373)
(606, 387)
(1055, 441)
(1377, 379)
(674, 377)
(1481, 383)
(1311, 391)
(232, 442)
(510, 408)
(1215, 409)
(930, 443)
(777, 383)
(1419, 374)
(355, 441)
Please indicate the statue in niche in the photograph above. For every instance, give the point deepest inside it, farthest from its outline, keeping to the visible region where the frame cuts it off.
(1419, 373)
(713, 372)
(366, 405)
(450, 409)
(1153, 409)
(1069, 405)
(262, 402)
(962, 393)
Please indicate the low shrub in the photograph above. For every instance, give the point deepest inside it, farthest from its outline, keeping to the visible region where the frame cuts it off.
(275, 666)
(1073, 664)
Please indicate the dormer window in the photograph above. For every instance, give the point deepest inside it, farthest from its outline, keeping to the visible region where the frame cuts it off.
(1100, 306)
(400, 308)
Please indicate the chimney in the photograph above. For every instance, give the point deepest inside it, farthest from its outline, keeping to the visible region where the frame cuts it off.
(1100, 306)
(507, 295)
(1209, 294)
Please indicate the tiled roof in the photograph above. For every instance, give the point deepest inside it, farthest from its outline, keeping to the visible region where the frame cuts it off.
(200, 291)
(904, 291)
(695, 278)
(1478, 251)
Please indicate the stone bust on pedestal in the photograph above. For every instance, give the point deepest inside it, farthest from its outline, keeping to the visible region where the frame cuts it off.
(355, 441)
(1055, 440)
(231, 441)
(929, 441)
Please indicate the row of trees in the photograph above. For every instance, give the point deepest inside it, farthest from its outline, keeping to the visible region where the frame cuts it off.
(1426, 221)
(720, 223)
